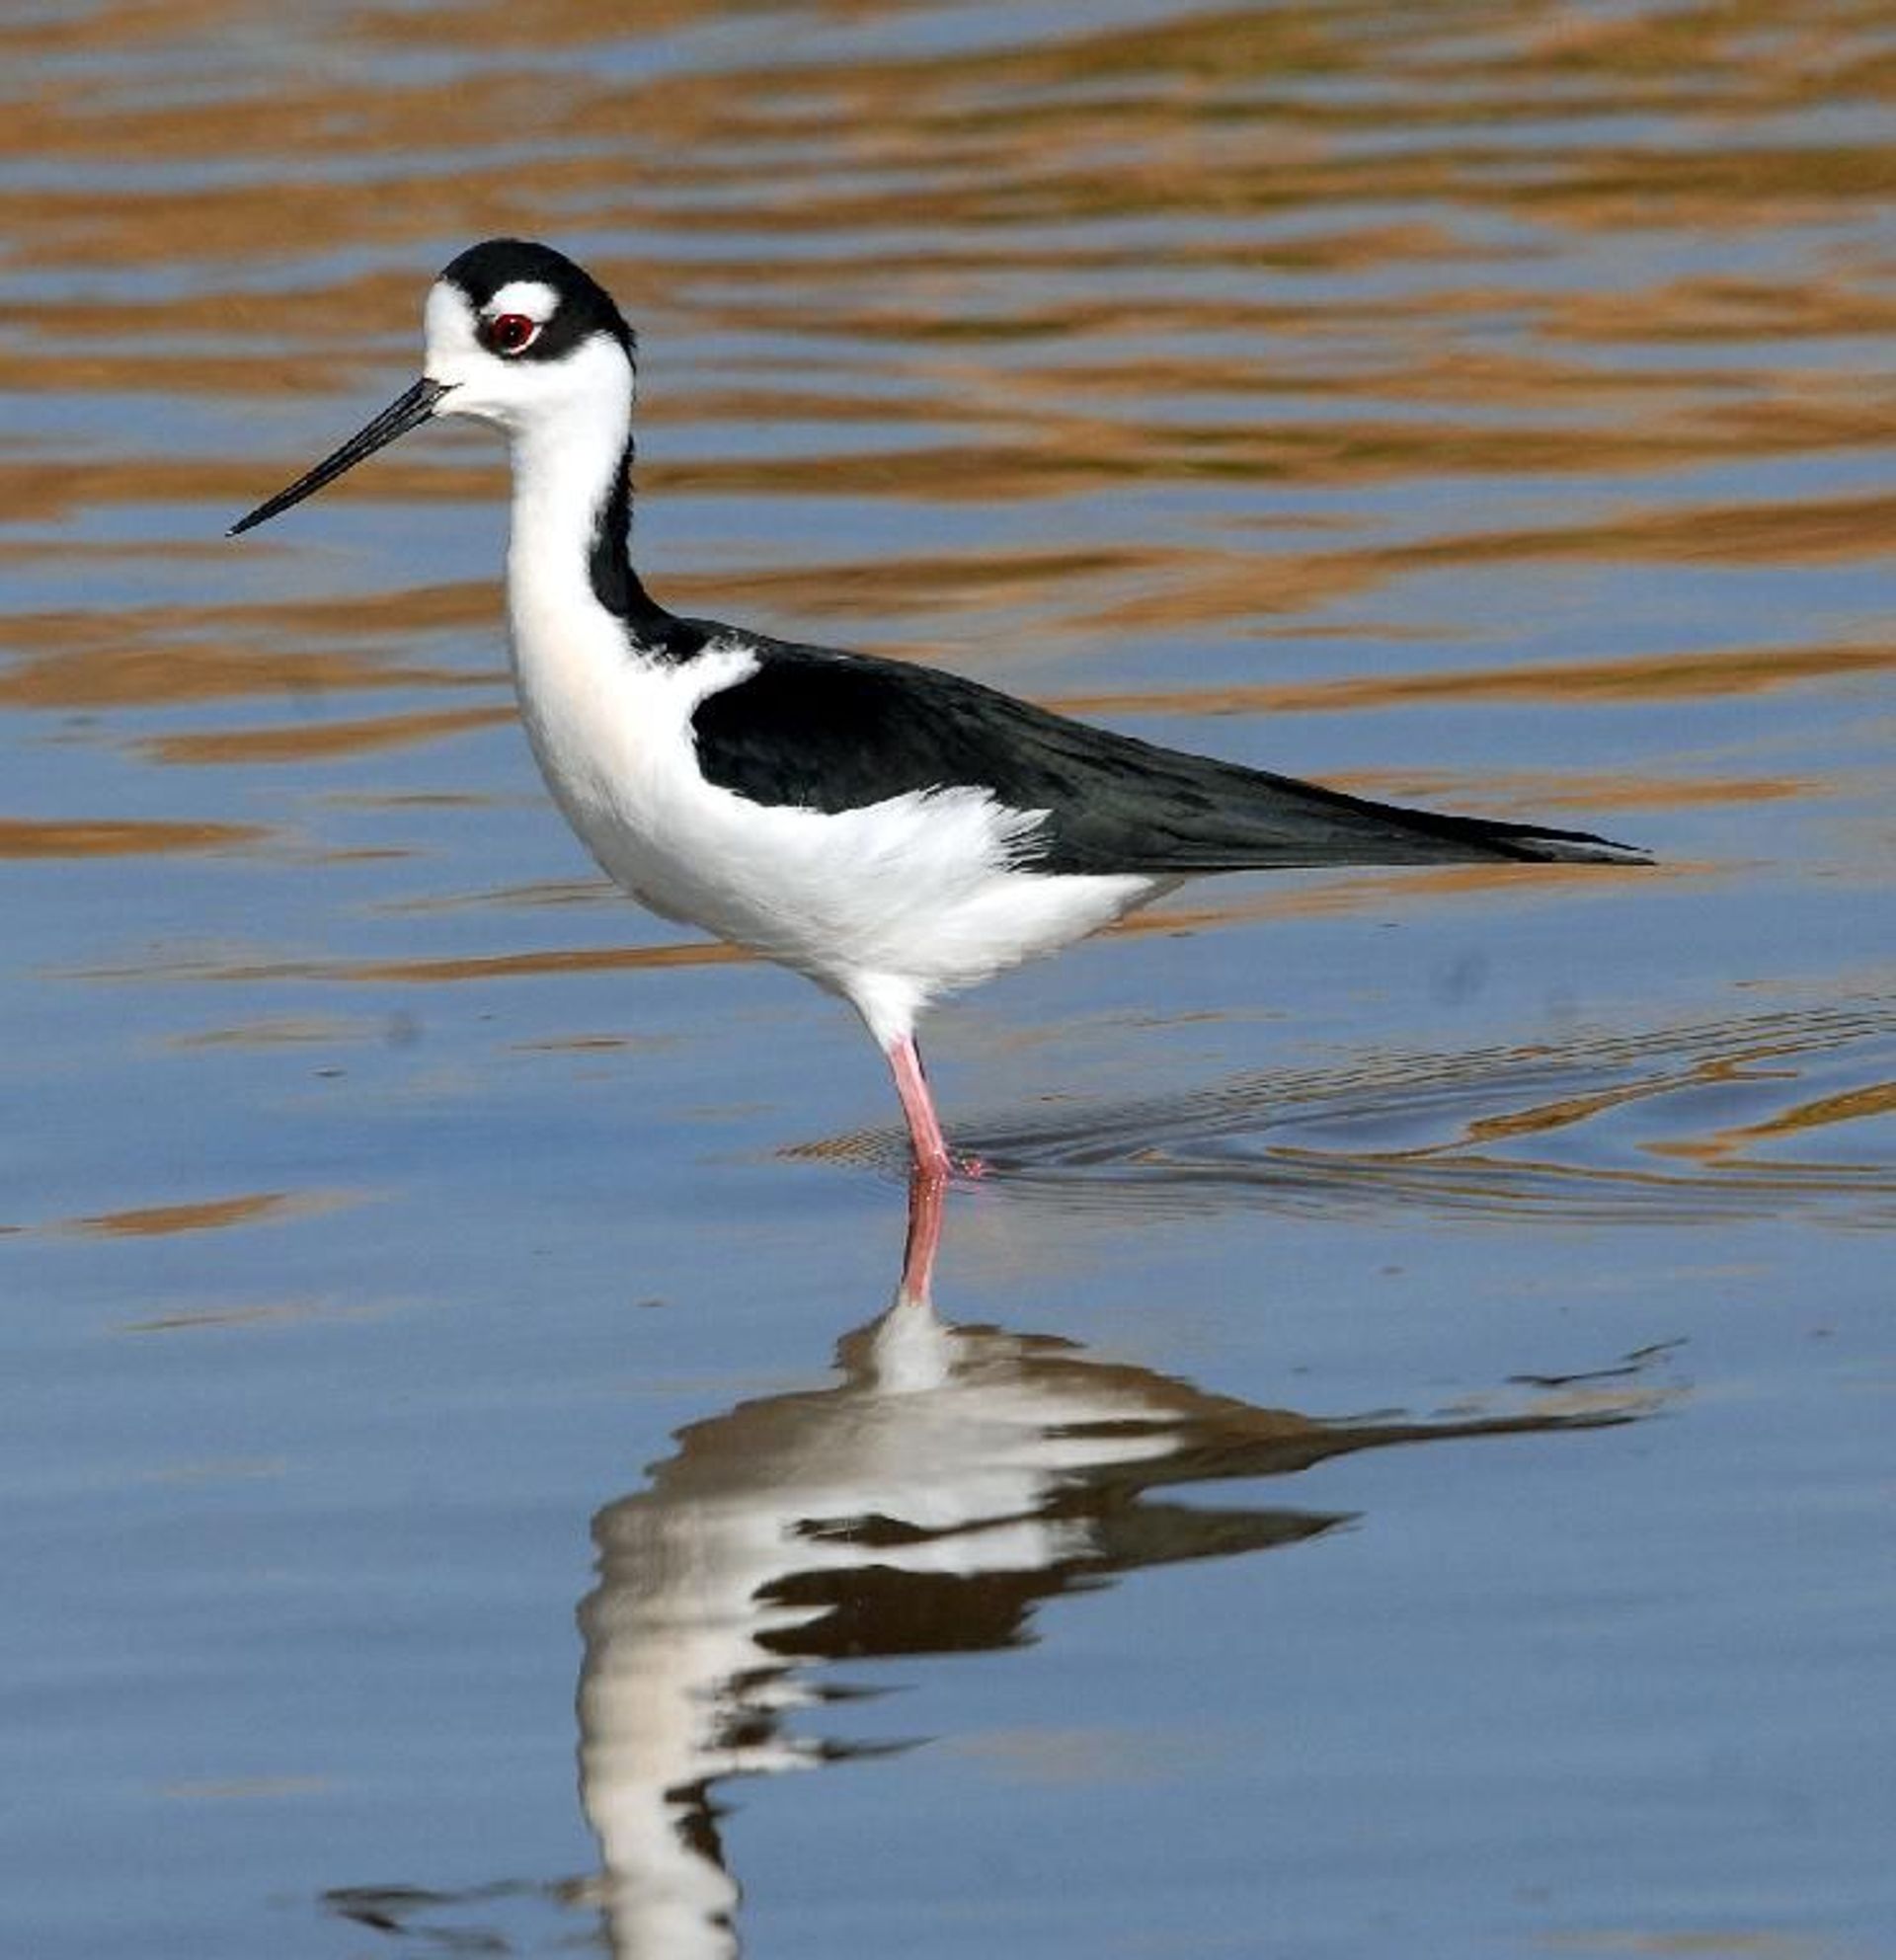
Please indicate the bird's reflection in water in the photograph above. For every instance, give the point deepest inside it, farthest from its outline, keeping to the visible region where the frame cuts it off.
(927, 1501)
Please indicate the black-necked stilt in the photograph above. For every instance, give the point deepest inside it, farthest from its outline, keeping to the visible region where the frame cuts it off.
(890, 830)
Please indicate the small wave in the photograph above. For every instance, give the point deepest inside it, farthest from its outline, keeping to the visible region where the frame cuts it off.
(1751, 1118)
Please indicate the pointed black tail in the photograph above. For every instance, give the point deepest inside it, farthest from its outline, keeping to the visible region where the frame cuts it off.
(1527, 843)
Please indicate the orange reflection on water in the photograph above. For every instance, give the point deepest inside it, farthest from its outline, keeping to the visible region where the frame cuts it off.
(210, 1213)
(20, 838)
(305, 741)
(520, 966)
(1656, 677)
(1819, 1113)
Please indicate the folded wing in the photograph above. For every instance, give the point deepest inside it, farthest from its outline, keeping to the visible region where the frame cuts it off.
(833, 731)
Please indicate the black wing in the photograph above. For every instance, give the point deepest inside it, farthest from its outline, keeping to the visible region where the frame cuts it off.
(833, 730)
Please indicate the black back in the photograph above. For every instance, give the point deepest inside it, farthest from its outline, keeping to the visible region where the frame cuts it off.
(833, 730)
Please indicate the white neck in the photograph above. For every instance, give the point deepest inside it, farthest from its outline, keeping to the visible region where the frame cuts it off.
(566, 455)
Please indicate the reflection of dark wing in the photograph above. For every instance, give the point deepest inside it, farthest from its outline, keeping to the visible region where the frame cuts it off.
(870, 1609)
(954, 1480)
(832, 732)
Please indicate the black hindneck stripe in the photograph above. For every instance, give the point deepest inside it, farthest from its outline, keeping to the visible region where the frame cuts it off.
(609, 562)
(616, 586)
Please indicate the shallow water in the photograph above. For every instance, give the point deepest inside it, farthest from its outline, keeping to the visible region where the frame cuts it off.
(458, 1459)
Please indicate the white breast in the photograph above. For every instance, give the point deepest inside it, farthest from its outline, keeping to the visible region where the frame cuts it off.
(920, 889)
(886, 904)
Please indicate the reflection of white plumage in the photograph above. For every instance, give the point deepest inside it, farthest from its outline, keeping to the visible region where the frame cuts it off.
(937, 1460)
(954, 1478)
(890, 830)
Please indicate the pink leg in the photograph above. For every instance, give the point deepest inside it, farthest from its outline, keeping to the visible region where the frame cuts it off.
(924, 1235)
(932, 1161)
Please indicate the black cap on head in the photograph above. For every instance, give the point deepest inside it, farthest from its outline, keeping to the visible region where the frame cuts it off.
(586, 307)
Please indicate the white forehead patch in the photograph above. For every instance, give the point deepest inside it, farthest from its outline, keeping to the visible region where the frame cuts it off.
(447, 322)
(533, 297)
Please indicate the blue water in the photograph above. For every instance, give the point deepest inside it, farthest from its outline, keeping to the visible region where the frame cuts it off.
(1399, 1461)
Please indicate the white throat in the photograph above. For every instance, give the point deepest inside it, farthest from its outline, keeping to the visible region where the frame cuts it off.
(567, 448)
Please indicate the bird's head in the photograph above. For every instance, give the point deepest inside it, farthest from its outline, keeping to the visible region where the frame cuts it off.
(516, 335)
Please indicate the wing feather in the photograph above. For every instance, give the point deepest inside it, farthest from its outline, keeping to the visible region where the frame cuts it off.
(833, 730)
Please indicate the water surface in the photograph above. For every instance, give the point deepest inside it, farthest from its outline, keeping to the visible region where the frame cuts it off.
(1398, 1460)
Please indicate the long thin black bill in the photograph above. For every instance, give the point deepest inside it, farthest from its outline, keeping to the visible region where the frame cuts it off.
(396, 420)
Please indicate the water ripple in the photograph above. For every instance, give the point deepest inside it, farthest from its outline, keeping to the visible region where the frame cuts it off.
(1672, 1126)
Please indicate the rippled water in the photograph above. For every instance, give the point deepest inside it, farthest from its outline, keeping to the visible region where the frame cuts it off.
(455, 1450)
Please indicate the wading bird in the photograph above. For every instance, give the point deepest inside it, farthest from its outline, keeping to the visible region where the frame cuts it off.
(890, 830)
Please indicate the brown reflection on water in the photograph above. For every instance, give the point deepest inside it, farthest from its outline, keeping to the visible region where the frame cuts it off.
(953, 211)
(892, 582)
(23, 839)
(48, 489)
(209, 1214)
(310, 741)
(1820, 1113)
(142, 675)
(1169, 587)
(1727, 310)
(1612, 1118)
(1338, 894)
(288, 1032)
(1813, 530)
(1184, 588)
(991, 154)
(1084, 457)
(521, 966)
(1657, 676)
(1519, 795)
(164, 656)
(423, 973)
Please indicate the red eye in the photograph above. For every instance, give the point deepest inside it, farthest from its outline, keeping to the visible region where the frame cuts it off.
(510, 332)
